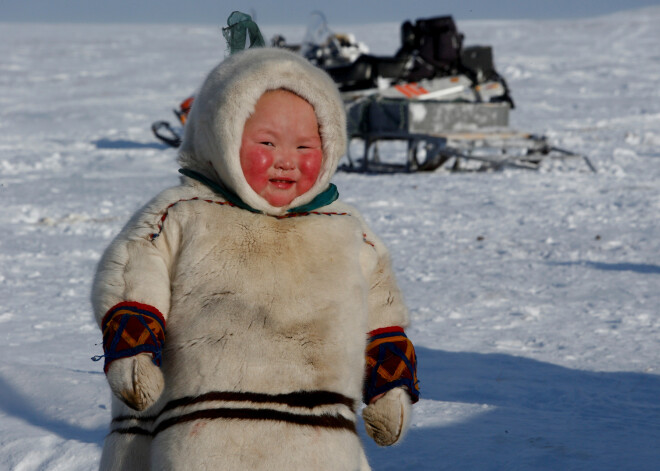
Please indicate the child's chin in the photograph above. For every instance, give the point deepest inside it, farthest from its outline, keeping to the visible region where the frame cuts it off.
(279, 200)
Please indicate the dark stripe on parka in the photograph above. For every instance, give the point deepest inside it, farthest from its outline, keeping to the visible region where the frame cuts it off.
(133, 431)
(304, 399)
(323, 420)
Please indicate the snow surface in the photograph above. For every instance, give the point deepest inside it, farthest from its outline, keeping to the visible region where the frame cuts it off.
(534, 295)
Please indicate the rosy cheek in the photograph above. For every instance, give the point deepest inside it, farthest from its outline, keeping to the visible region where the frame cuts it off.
(310, 167)
(255, 162)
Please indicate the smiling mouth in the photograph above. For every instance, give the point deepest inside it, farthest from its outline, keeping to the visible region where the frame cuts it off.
(282, 183)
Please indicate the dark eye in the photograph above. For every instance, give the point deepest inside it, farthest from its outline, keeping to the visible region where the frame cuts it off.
(266, 143)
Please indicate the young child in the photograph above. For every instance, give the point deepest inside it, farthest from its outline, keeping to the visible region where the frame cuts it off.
(237, 307)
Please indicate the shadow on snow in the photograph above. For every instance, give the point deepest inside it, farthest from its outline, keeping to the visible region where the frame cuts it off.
(16, 404)
(125, 144)
(540, 417)
(643, 268)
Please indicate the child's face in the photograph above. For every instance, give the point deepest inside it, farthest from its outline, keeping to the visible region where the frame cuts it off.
(281, 153)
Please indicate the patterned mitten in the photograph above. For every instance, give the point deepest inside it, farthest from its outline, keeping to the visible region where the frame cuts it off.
(387, 419)
(133, 337)
(136, 380)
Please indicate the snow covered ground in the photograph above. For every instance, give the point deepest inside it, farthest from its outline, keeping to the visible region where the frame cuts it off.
(534, 295)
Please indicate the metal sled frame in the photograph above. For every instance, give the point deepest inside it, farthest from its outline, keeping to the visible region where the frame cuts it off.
(492, 149)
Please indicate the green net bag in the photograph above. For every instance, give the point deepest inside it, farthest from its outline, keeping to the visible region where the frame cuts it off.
(239, 27)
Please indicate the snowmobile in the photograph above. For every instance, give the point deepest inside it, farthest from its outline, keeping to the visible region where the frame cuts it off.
(165, 132)
(445, 102)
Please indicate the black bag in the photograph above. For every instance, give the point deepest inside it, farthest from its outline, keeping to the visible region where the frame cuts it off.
(435, 44)
(478, 62)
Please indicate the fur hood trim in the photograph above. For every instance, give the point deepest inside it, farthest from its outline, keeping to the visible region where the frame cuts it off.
(227, 98)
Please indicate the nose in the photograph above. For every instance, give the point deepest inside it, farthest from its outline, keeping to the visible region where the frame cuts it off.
(284, 161)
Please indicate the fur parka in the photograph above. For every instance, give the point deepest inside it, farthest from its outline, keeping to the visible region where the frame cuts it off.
(265, 313)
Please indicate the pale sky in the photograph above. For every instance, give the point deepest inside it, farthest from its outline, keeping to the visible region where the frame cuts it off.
(291, 12)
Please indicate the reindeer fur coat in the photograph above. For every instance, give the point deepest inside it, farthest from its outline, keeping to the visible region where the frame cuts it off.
(263, 311)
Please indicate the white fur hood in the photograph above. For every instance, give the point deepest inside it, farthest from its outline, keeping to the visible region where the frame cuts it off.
(227, 98)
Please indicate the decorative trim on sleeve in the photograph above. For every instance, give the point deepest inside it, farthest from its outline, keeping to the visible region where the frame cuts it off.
(391, 362)
(131, 328)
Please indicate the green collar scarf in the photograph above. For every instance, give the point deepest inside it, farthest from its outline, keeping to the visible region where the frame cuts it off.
(322, 199)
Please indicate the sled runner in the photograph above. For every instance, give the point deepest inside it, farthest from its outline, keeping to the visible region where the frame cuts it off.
(489, 149)
(437, 133)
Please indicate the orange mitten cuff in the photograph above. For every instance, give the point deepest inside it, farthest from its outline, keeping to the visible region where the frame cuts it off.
(131, 328)
(391, 363)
